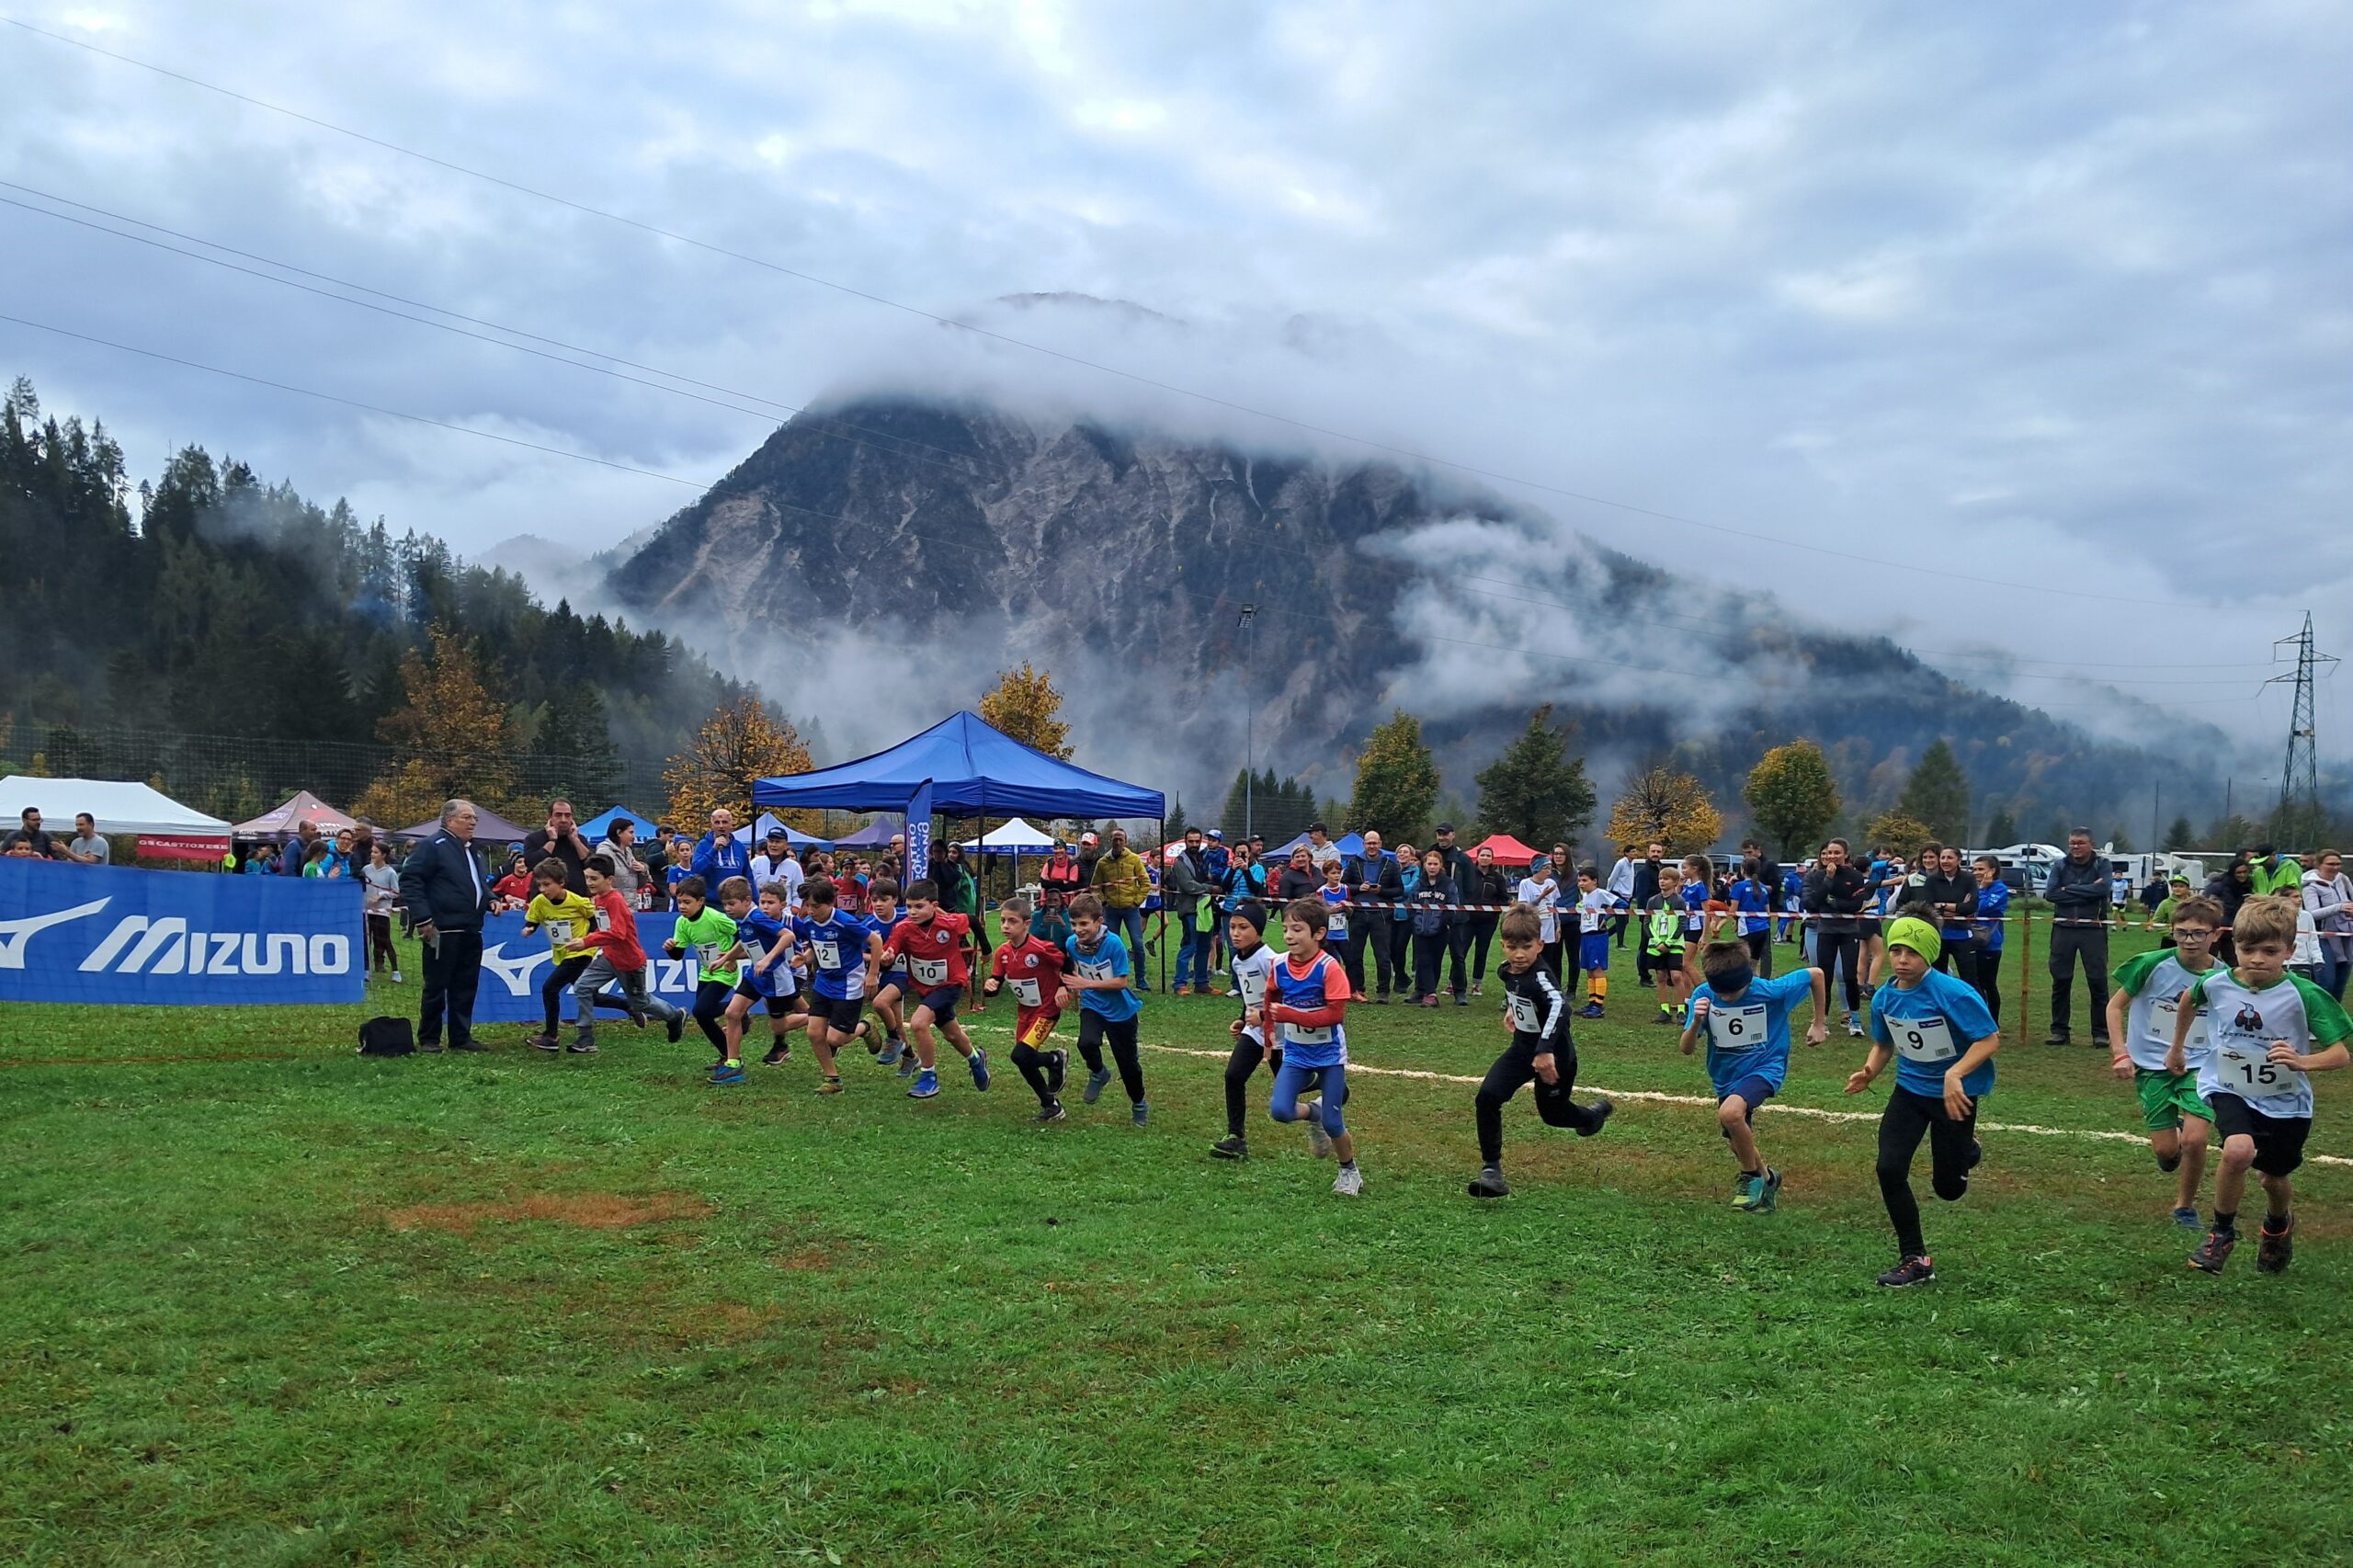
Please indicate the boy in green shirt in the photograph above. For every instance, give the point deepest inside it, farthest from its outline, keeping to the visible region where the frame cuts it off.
(2161, 917)
(2140, 1010)
(709, 935)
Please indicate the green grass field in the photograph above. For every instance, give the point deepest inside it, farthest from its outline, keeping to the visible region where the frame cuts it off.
(270, 1303)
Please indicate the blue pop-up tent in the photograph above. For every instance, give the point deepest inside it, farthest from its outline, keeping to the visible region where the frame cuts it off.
(598, 829)
(972, 770)
(876, 835)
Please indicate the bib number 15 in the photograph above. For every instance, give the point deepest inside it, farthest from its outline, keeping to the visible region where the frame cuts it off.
(2252, 1071)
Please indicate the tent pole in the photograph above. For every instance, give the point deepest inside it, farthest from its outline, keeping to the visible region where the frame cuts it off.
(1161, 838)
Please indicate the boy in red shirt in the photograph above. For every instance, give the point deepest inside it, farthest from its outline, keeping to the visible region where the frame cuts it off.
(934, 944)
(618, 957)
(1032, 968)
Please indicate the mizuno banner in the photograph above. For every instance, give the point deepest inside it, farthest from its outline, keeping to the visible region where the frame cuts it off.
(103, 936)
(514, 966)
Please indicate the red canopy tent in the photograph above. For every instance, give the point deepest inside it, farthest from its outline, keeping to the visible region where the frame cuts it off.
(1508, 852)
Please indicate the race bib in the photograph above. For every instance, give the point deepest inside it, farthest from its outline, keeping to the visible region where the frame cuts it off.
(1253, 986)
(1735, 1029)
(2248, 1070)
(1098, 971)
(604, 921)
(559, 933)
(930, 973)
(1028, 993)
(1336, 928)
(1305, 1034)
(1923, 1039)
(708, 952)
(1524, 1017)
(829, 955)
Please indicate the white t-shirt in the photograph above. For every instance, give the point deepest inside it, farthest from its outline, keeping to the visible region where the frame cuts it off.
(1546, 897)
(383, 886)
(1252, 975)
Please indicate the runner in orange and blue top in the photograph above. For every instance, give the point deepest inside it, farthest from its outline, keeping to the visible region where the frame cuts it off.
(1308, 1004)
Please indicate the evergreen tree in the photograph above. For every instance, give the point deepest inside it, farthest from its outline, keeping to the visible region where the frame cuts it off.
(2180, 835)
(1535, 790)
(1396, 780)
(2001, 828)
(1176, 824)
(1937, 794)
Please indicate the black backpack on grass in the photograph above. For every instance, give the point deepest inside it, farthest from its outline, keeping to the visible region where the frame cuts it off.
(387, 1037)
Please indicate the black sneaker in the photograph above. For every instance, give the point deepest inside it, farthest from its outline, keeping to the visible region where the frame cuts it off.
(2213, 1252)
(1057, 1063)
(1048, 1114)
(468, 1045)
(582, 1048)
(1234, 1147)
(1602, 1112)
(2275, 1249)
(1489, 1183)
(2058, 1037)
(544, 1042)
(677, 1028)
(1921, 1270)
(777, 1056)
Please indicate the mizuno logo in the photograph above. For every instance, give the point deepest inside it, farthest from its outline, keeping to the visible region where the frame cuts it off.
(138, 945)
(16, 934)
(515, 972)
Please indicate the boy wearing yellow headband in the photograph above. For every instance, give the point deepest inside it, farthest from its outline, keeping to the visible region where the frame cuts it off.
(1942, 1039)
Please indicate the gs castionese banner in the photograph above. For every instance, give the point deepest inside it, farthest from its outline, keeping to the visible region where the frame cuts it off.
(102, 935)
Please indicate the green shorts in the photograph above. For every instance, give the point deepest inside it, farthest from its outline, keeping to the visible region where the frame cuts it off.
(2166, 1098)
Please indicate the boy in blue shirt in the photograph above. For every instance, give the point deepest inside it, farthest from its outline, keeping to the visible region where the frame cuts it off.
(1101, 975)
(760, 936)
(1942, 1039)
(841, 948)
(883, 912)
(1746, 1020)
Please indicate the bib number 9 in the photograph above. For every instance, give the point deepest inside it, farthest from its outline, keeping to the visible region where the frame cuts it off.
(1923, 1039)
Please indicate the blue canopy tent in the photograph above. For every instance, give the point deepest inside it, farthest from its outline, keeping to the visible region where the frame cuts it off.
(598, 829)
(961, 767)
(876, 835)
(1350, 844)
(757, 833)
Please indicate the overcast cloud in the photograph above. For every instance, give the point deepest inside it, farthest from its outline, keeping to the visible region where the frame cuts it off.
(2055, 296)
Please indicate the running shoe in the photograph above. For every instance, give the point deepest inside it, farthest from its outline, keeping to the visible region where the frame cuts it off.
(979, 1064)
(1349, 1183)
(1740, 1188)
(1142, 1114)
(677, 1028)
(1319, 1143)
(2275, 1249)
(2186, 1218)
(1854, 1027)
(1590, 1010)
(1602, 1111)
(779, 1055)
(397, 977)
(582, 1048)
(2213, 1252)
(1919, 1270)
(1489, 1183)
(889, 1055)
(830, 1085)
(1477, 989)
(726, 1075)
(1232, 1147)
(1048, 1114)
(544, 1042)
(1094, 1081)
(1772, 1195)
(1461, 1001)
(1752, 1194)
(926, 1086)
(908, 1065)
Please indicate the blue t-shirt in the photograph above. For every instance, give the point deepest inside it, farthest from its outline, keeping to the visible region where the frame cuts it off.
(1750, 1036)
(1792, 889)
(1931, 1026)
(1752, 898)
(838, 954)
(1108, 962)
(881, 922)
(758, 933)
(1336, 922)
(1992, 902)
(1695, 899)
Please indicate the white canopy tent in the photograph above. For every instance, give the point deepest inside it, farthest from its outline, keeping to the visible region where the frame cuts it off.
(1016, 836)
(164, 827)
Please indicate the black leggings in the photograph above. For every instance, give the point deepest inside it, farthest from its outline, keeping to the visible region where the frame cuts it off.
(1760, 951)
(559, 980)
(711, 1005)
(1514, 1068)
(1988, 979)
(1094, 1029)
(1042, 1071)
(380, 943)
(1952, 1150)
(1841, 952)
(1482, 932)
(1247, 1054)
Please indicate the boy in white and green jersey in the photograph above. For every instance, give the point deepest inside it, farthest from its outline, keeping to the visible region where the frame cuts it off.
(2264, 1024)
(2141, 1012)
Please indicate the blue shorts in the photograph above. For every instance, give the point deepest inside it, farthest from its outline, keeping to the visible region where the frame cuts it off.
(1292, 1081)
(942, 1003)
(1593, 950)
(1754, 1091)
(898, 980)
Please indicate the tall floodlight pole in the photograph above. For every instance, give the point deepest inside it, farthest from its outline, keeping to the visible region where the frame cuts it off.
(2300, 778)
(1249, 723)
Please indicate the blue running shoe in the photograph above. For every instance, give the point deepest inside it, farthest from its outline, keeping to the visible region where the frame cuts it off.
(908, 1065)
(726, 1075)
(889, 1055)
(1142, 1111)
(980, 1066)
(926, 1086)
(1094, 1081)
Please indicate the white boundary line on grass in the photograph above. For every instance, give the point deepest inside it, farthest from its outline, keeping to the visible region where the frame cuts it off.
(1770, 1107)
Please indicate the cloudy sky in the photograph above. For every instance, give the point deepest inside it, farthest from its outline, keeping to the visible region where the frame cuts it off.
(2021, 331)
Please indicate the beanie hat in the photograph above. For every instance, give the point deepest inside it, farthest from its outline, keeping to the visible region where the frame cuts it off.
(1251, 910)
(1916, 935)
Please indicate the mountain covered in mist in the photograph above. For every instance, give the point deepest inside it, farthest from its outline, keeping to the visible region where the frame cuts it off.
(899, 551)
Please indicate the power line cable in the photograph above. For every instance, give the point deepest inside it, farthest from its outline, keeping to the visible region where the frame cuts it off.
(1497, 476)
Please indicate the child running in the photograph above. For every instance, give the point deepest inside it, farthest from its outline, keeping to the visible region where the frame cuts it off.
(619, 959)
(564, 915)
(1102, 978)
(1032, 968)
(841, 947)
(709, 935)
(2141, 1015)
(2264, 1025)
(884, 914)
(1254, 968)
(1305, 1015)
(1660, 961)
(1746, 1019)
(935, 944)
(1596, 905)
(1921, 1017)
(761, 937)
(1536, 1013)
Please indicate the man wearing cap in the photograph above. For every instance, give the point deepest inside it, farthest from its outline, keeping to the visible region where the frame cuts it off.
(1465, 873)
(1089, 852)
(2277, 875)
(1320, 850)
(775, 864)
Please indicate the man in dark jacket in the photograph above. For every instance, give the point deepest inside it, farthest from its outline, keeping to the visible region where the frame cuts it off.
(560, 840)
(1835, 893)
(1373, 878)
(446, 886)
(2080, 890)
(1184, 882)
(1463, 873)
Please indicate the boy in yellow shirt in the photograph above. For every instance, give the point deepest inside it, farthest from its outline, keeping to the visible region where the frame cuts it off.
(563, 915)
